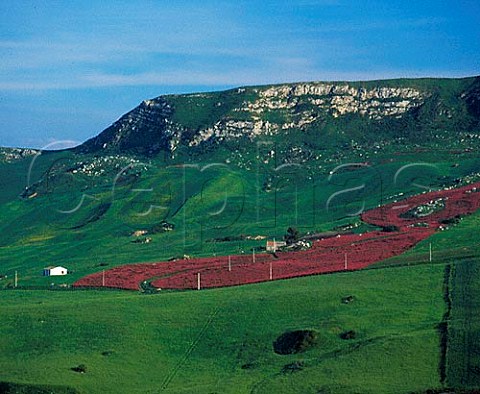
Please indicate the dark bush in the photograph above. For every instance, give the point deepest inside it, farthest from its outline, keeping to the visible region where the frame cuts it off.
(293, 367)
(292, 342)
(390, 228)
(107, 353)
(454, 220)
(348, 299)
(82, 368)
(350, 334)
(291, 236)
(249, 366)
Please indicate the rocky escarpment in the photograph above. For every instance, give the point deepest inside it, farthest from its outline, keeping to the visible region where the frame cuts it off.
(342, 99)
(298, 106)
(8, 155)
(194, 120)
(146, 130)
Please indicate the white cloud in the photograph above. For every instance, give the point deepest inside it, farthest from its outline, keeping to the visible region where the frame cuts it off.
(226, 78)
(194, 45)
(386, 24)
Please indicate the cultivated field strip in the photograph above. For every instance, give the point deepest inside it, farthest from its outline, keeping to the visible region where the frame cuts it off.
(405, 224)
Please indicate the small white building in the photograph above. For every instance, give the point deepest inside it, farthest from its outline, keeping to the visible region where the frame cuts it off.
(55, 271)
(273, 246)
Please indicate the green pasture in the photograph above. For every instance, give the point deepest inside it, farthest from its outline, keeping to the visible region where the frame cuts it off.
(221, 340)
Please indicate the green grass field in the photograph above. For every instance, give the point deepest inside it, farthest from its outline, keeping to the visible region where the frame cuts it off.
(463, 362)
(221, 340)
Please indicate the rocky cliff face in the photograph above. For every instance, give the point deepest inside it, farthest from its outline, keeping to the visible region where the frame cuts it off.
(300, 105)
(261, 111)
(147, 130)
(343, 99)
(8, 155)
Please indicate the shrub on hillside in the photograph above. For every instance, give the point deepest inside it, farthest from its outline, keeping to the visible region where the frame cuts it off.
(81, 368)
(293, 342)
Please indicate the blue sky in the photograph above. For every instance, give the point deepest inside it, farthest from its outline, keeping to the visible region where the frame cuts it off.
(68, 69)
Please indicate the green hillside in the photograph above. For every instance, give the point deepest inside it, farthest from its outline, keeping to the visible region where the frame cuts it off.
(222, 340)
(155, 170)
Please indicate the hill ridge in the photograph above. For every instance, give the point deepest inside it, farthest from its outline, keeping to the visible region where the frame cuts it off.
(169, 122)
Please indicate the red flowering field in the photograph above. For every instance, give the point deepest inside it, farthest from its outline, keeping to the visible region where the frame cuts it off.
(415, 218)
(461, 201)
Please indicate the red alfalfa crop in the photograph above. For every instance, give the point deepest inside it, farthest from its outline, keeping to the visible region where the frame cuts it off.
(351, 251)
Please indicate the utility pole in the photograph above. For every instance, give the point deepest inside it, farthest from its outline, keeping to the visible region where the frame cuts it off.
(103, 278)
(253, 254)
(229, 264)
(198, 281)
(16, 278)
(430, 252)
(346, 262)
(271, 271)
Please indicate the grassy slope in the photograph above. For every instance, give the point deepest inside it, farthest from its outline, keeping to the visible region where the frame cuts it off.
(463, 363)
(35, 235)
(199, 341)
(14, 388)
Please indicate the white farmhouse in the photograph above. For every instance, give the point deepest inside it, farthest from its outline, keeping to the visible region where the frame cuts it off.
(55, 271)
(273, 246)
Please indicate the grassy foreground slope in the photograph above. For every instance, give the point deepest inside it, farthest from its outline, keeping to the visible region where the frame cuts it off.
(463, 347)
(221, 340)
(15, 388)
